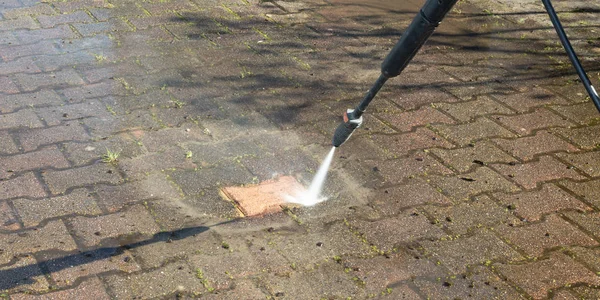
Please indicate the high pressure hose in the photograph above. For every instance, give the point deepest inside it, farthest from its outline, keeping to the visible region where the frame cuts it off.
(571, 53)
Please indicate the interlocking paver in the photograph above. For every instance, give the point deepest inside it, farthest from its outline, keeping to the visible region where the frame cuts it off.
(481, 248)
(26, 185)
(21, 118)
(526, 148)
(402, 144)
(415, 192)
(478, 284)
(10, 103)
(588, 190)
(8, 219)
(174, 277)
(50, 157)
(69, 131)
(537, 278)
(526, 123)
(481, 180)
(397, 170)
(480, 153)
(52, 236)
(585, 137)
(551, 232)
(583, 113)
(480, 211)
(532, 205)
(34, 36)
(589, 221)
(465, 111)
(529, 175)
(24, 274)
(533, 97)
(92, 288)
(91, 230)
(7, 144)
(61, 181)
(75, 17)
(464, 134)
(33, 212)
(405, 121)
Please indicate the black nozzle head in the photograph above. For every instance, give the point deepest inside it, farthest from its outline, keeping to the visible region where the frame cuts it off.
(346, 128)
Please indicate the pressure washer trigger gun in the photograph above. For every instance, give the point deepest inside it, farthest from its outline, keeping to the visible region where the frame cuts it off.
(347, 127)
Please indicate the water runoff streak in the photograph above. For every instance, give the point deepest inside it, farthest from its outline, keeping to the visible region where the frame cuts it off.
(313, 196)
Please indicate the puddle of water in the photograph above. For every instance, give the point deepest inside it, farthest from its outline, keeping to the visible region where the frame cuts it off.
(313, 195)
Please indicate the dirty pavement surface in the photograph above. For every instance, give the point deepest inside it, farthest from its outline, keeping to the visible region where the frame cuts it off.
(476, 174)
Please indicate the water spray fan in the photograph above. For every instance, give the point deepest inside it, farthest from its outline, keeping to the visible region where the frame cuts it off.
(421, 28)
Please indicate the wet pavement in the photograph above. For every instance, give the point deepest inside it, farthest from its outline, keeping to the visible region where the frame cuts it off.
(475, 174)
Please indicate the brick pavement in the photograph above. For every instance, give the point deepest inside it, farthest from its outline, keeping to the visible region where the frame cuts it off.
(475, 175)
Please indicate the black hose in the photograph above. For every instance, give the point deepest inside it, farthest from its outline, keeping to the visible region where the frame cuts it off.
(571, 53)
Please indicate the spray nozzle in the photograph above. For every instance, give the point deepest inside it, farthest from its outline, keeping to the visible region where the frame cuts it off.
(347, 127)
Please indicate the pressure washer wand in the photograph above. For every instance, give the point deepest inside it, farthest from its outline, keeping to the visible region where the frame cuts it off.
(421, 28)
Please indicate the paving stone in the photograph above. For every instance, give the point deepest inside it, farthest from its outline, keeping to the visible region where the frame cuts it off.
(86, 153)
(526, 148)
(584, 137)
(160, 140)
(590, 257)
(416, 192)
(155, 186)
(589, 221)
(327, 280)
(34, 36)
(7, 145)
(49, 157)
(397, 170)
(78, 111)
(65, 269)
(61, 181)
(564, 295)
(467, 133)
(532, 97)
(464, 186)
(92, 288)
(173, 159)
(583, 113)
(95, 90)
(174, 277)
(22, 118)
(481, 248)
(22, 186)
(480, 211)
(75, 17)
(402, 144)
(7, 86)
(587, 292)
(465, 111)
(529, 175)
(33, 212)
(70, 131)
(39, 9)
(552, 232)
(91, 230)
(467, 158)
(22, 65)
(588, 162)
(193, 182)
(526, 123)
(32, 82)
(10, 103)
(532, 205)
(246, 287)
(8, 219)
(380, 273)
(53, 235)
(587, 190)
(481, 283)
(309, 248)
(537, 278)
(174, 245)
(219, 272)
(405, 121)
(25, 22)
(265, 198)
(390, 232)
(13, 52)
(270, 165)
(23, 275)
